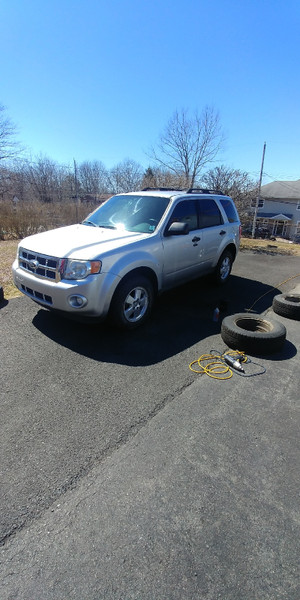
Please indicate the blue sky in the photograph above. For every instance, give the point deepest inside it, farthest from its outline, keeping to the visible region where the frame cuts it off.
(92, 79)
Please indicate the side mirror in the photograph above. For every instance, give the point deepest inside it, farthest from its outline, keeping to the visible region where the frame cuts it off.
(178, 229)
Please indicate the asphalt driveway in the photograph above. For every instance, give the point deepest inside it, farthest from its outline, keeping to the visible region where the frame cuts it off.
(124, 475)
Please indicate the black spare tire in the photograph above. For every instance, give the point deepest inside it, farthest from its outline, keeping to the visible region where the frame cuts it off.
(287, 305)
(253, 333)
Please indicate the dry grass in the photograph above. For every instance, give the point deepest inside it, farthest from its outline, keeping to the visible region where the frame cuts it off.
(8, 251)
(27, 218)
(278, 247)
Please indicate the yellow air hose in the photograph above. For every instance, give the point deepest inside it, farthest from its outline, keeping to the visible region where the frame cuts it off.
(215, 366)
(271, 290)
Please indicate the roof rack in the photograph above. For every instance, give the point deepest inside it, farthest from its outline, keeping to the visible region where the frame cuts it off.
(204, 191)
(162, 189)
(187, 191)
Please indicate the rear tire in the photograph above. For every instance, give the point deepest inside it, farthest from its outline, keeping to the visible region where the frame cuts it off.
(223, 268)
(132, 302)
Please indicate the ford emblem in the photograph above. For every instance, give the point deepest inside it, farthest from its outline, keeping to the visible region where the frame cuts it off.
(33, 264)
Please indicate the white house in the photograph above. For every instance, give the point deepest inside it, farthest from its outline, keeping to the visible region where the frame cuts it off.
(279, 208)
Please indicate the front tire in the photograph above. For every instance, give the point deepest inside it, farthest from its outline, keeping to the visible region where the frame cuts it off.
(132, 302)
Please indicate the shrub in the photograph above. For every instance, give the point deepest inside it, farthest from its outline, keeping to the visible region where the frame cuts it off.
(21, 219)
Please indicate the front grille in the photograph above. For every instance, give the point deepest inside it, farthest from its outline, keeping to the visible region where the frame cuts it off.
(38, 296)
(40, 265)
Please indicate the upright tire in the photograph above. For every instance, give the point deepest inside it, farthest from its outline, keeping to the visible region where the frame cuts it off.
(132, 302)
(287, 305)
(253, 333)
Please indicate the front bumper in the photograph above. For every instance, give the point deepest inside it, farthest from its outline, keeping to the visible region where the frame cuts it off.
(96, 289)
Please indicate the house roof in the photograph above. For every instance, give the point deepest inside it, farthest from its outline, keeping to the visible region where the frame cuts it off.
(275, 217)
(281, 189)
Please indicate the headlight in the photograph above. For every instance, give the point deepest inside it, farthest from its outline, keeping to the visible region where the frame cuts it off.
(78, 269)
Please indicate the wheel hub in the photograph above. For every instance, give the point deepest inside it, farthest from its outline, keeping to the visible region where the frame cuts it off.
(136, 304)
(225, 268)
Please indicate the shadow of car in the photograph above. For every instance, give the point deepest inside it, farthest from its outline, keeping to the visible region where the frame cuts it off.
(181, 318)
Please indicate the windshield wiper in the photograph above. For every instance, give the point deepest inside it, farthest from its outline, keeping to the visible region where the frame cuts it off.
(89, 223)
(103, 225)
(107, 226)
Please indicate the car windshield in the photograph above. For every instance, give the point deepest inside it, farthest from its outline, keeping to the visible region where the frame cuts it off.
(129, 213)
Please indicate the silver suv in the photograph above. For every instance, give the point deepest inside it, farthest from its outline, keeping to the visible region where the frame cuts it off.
(132, 247)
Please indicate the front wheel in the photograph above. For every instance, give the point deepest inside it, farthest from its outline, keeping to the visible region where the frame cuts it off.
(223, 268)
(132, 302)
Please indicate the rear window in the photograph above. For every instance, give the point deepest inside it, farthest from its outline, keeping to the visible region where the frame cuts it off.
(230, 210)
(210, 215)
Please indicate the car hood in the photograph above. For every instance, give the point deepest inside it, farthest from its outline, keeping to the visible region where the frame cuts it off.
(79, 241)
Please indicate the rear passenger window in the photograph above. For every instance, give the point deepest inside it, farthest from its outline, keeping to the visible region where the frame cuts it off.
(210, 215)
(230, 210)
(185, 212)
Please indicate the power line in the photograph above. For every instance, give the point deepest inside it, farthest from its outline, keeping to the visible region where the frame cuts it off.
(285, 184)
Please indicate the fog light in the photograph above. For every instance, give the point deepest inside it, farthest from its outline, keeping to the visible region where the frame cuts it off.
(77, 301)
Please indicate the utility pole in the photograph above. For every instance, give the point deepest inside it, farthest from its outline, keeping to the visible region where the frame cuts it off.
(258, 195)
(77, 200)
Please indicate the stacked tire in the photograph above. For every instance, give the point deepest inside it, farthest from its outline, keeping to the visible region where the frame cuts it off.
(287, 305)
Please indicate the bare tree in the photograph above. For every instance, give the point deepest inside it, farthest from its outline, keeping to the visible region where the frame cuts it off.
(233, 182)
(45, 177)
(125, 177)
(9, 147)
(188, 144)
(93, 178)
(6, 176)
(158, 177)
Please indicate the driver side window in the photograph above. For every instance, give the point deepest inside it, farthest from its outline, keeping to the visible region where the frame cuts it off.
(185, 212)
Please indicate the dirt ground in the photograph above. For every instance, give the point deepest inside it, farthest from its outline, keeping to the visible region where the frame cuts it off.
(8, 251)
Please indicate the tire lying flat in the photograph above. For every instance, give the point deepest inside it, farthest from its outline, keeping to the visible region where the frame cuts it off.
(253, 333)
(287, 305)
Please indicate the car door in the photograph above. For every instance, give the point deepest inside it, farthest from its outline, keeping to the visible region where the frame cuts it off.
(183, 254)
(213, 231)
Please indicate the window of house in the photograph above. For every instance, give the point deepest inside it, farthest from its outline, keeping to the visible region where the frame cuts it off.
(260, 202)
(298, 205)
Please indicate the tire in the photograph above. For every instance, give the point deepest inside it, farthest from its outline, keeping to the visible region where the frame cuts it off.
(253, 333)
(132, 302)
(223, 268)
(287, 305)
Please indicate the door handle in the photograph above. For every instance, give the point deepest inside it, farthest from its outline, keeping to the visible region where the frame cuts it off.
(222, 232)
(197, 239)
